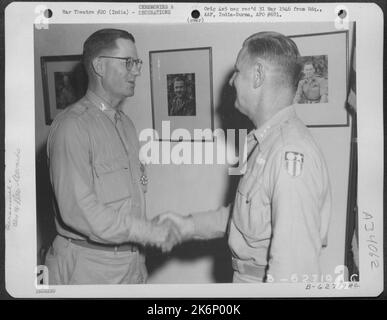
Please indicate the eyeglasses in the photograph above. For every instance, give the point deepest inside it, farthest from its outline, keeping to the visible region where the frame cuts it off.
(130, 62)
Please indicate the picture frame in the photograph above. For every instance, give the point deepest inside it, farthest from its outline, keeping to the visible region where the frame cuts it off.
(182, 91)
(64, 82)
(326, 56)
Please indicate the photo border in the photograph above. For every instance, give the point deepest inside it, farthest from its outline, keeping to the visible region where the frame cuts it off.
(346, 32)
(151, 70)
(44, 60)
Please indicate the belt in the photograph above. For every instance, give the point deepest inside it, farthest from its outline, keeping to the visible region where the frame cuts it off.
(104, 247)
(257, 271)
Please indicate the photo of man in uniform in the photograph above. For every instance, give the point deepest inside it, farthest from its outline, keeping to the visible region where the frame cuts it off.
(313, 87)
(64, 91)
(181, 99)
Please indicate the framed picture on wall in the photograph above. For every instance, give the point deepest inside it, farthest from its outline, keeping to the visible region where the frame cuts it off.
(64, 82)
(321, 93)
(181, 90)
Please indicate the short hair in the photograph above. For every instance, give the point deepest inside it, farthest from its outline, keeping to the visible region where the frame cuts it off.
(178, 78)
(277, 49)
(102, 40)
(309, 62)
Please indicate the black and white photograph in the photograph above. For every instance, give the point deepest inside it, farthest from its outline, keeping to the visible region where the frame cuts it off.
(181, 94)
(64, 82)
(181, 90)
(64, 90)
(192, 155)
(322, 87)
(313, 85)
(99, 203)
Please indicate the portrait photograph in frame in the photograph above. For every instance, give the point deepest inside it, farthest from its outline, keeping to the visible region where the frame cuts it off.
(181, 89)
(312, 86)
(322, 86)
(64, 82)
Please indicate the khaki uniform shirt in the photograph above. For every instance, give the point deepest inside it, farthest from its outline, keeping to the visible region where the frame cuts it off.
(279, 223)
(96, 173)
(182, 107)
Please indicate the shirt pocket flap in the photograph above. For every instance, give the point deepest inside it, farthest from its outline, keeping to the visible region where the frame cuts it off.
(251, 213)
(110, 166)
(113, 180)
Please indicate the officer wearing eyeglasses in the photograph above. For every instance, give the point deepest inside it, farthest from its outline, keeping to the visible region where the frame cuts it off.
(97, 177)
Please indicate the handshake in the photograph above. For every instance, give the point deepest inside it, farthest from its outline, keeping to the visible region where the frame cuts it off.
(170, 229)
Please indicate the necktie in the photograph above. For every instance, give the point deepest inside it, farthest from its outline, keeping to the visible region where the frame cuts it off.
(252, 150)
(117, 117)
(252, 143)
(121, 131)
(129, 151)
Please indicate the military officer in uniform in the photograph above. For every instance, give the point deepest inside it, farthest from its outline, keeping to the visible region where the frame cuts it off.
(181, 104)
(98, 180)
(278, 223)
(311, 89)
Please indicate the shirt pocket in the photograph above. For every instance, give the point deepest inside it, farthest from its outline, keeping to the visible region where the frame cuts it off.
(252, 216)
(113, 180)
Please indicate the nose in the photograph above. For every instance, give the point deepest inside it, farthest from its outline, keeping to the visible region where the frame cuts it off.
(135, 70)
(231, 81)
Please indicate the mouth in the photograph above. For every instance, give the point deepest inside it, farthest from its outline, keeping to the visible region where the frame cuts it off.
(132, 83)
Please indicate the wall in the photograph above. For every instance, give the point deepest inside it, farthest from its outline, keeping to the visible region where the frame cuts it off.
(187, 187)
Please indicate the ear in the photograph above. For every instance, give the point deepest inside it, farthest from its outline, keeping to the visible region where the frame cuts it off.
(98, 66)
(259, 74)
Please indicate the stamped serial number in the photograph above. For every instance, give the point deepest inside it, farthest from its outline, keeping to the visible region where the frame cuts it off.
(337, 281)
(332, 286)
(304, 278)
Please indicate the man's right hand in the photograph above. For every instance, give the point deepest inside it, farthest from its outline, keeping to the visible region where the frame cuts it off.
(184, 224)
(165, 235)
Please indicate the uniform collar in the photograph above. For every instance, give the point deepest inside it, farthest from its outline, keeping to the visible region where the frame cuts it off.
(98, 101)
(101, 104)
(273, 123)
(312, 79)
